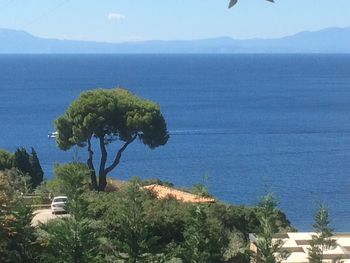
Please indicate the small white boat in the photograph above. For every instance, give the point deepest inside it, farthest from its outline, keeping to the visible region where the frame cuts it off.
(52, 134)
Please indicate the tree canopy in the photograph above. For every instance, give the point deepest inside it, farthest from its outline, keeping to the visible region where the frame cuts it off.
(110, 115)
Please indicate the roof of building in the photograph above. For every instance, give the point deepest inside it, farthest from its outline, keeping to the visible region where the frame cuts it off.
(298, 245)
(163, 191)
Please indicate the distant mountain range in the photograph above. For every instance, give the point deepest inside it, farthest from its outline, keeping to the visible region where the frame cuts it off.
(330, 40)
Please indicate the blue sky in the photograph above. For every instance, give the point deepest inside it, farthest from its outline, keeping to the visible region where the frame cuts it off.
(130, 20)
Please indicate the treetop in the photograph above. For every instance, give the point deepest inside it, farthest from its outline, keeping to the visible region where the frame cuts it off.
(111, 114)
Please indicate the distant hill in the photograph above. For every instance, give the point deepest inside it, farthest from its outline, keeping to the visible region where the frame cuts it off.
(330, 40)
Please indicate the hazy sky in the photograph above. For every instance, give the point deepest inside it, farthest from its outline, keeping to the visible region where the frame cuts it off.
(129, 20)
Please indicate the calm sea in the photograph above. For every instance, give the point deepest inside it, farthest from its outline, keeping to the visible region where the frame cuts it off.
(237, 122)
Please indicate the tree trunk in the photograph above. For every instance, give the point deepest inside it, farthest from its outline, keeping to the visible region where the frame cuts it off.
(102, 181)
(90, 164)
(93, 180)
(103, 171)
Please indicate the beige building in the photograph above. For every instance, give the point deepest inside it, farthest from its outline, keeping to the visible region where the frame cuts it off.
(298, 243)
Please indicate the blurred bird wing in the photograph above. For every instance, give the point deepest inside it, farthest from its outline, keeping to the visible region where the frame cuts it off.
(232, 3)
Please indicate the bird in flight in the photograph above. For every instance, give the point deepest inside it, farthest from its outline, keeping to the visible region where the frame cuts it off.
(233, 2)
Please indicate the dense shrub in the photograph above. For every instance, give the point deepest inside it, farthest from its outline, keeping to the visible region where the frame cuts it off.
(70, 240)
(13, 183)
(71, 179)
(190, 232)
(27, 164)
(6, 160)
(206, 238)
(127, 225)
(17, 236)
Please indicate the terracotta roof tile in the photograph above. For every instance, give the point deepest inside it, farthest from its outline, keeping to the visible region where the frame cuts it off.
(164, 191)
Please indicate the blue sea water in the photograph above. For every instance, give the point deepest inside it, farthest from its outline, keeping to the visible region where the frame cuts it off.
(237, 122)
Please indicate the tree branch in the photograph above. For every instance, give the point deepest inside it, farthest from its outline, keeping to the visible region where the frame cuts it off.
(119, 155)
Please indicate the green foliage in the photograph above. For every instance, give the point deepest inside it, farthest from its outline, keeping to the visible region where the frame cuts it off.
(178, 227)
(138, 225)
(205, 237)
(75, 238)
(237, 249)
(36, 172)
(17, 236)
(6, 160)
(22, 246)
(70, 239)
(129, 225)
(70, 179)
(29, 165)
(168, 219)
(201, 190)
(13, 183)
(114, 112)
(179, 230)
(129, 234)
(15, 232)
(21, 160)
(156, 181)
(268, 250)
(237, 218)
(322, 222)
(6, 231)
(110, 115)
(322, 240)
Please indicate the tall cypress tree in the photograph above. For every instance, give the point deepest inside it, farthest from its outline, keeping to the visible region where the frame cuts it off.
(21, 161)
(322, 239)
(37, 173)
(269, 250)
(29, 165)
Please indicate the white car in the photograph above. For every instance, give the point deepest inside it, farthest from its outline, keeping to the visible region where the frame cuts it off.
(59, 204)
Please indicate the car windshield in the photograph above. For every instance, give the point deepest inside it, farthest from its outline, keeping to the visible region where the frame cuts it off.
(60, 199)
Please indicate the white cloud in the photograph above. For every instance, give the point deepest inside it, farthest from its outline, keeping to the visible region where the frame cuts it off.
(115, 16)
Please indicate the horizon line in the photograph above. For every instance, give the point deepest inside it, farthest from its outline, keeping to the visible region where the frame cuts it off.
(176, 40)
